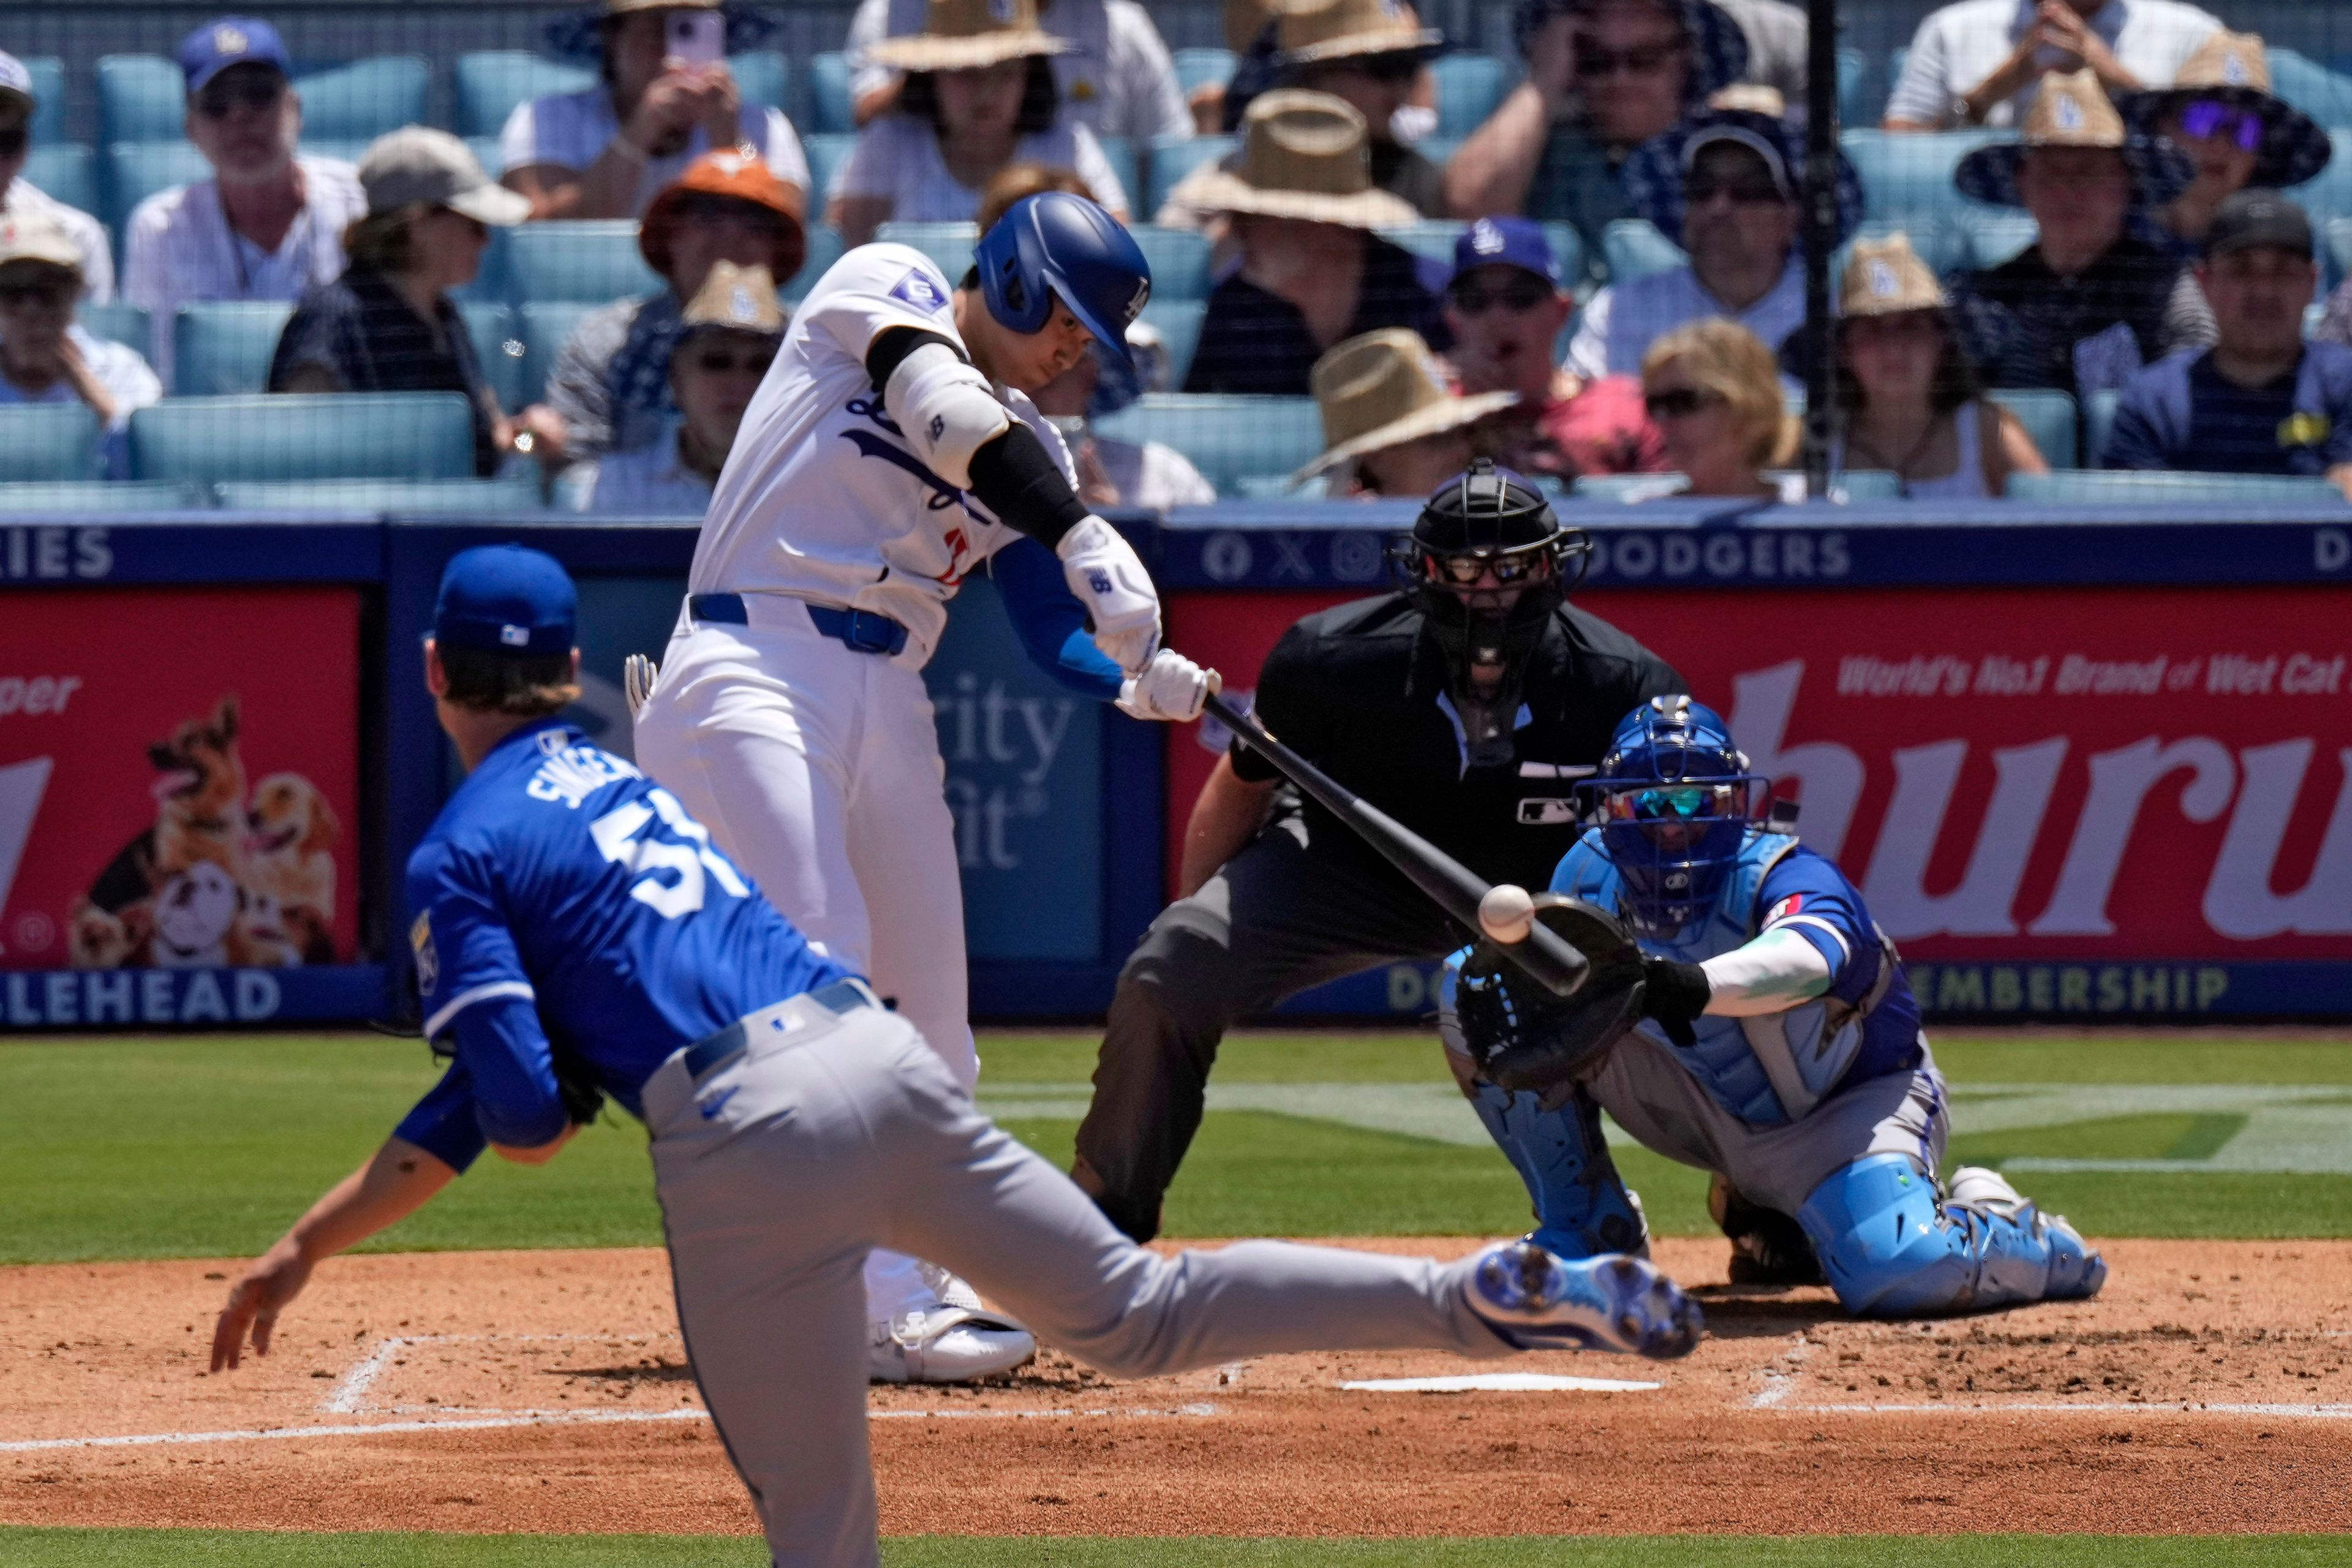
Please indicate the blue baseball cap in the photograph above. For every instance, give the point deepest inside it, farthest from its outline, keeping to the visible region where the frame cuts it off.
(226, 41)
(1518, 242)
(504, 598)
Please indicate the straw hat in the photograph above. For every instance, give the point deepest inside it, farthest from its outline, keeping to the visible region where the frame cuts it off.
(745, 177)
(1383, 389)
(1304, 155)
(1310, 31)
(734, 299)
(2235, 68)
(1886, 278)
(2072, 110)
(960, 35)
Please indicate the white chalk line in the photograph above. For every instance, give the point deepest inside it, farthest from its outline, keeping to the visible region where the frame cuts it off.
(343, 1399)
(1500, 1383)
(2109, 1407)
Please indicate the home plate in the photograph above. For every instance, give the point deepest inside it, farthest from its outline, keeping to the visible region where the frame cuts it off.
(1500, 1383)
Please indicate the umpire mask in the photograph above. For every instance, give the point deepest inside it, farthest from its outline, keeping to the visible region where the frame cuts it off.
(1489, 563)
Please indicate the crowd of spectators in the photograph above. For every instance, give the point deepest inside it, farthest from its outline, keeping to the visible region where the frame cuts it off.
(2168, 272)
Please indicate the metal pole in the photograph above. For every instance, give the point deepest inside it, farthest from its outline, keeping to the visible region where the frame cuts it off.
(1820, 236)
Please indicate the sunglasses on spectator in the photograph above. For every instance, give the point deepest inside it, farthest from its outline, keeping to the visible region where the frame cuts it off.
(1700, 189)
(226, 94)
(16, 295)
(1677, 402)
(720, 361)
(1593, 61)
(14, 139)
(729, 211)
(2210, 119)
(1388, 69)
(1521, 293)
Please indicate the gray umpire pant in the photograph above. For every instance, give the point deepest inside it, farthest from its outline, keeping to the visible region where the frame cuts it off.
(832, 1134)
(1282, 916)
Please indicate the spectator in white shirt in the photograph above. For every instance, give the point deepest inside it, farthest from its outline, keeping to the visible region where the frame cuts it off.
(1112, 473)
(606, 150)
(1720, 185)
(268, 224)
(1116, 77)
(1982, 61)
(732, 330)
(18, 194)
(45, 354)
(980, 94)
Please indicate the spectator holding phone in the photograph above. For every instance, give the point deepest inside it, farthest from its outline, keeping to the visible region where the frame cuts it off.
(19, 194)
(665, 97)
(45, 354)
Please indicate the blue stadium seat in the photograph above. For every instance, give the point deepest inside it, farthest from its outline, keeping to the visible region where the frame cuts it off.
(824, 248)
(120, 323)
(2049, 416)
(386, 436)
(542, 327)
(500, 353)
(1907, 178)
(1627, 489)
(1179, 261)
(2097, 487)
(763, 77)
(1174, 157)
(949, 244)
(222, 347)
(1567, 247)
(1633, 247)
(825, 151)
(494, 278)
(140, 97)
(137, 170)
(143, 98)
(490, 82)
(1942, 248)
(496, 498)
(1124, 154)
(1178, 322)
(1470, 83)
(1992, 235)
(2098, 419)
(65, 170)
(1439, 149)
(1432, 240)
(2324, 95)
(48, 74)
(2328, 195)
(1853, 86)
(97, 495)
(828, 96)
(595, 262)
(1225, 436)
(1866, 485)
(1198, 68)
(47, 441)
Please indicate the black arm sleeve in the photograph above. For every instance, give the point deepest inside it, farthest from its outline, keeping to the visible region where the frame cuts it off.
(890, 347)
(1015, 478)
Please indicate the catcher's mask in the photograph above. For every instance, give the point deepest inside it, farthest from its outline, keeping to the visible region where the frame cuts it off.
(1489, 563)
(1674, 799)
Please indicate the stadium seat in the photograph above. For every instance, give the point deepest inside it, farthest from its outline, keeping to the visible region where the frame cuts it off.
(490, 82)
(828, 96)
(222, 347)
(1198, 68)
(2335, 249)
(949, 244)
(1178, 322)
(1907, 178)
(541, 327)
(1942, 248)
(763, 77)
(497, 348)
(595, 262)
(143, 98)
(1851, 485)
(825, 153)
(97, 495)
(496, 498)
(1432, 240)
(120, 323)
(47, 441)
(1174, 157)
(48, 74)
(494, 278)
(1627, 489)
(1179, 261)
(2098, 486)
(388, 436)
(1853, 87)
(1470, 83)
(824, 248)
(2324, 94)
(2328, 195)
(2049, 416)
(140, 97)
(1992, 235)
(2098, 419)
(65, 170)
(1633, 247)
(1225, 436)
(1124, 155)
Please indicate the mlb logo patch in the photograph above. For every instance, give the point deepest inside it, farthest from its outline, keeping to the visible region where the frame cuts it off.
(918, 290)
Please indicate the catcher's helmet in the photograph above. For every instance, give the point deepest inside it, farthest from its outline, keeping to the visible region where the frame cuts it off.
(1674, 799)
(1058, 244)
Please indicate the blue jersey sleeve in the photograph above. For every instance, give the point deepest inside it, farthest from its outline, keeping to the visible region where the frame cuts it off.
(1804, 894)
(478, 999)
(443, 1124)
(1051, 621)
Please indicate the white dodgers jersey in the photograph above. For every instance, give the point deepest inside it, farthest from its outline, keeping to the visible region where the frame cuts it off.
(822, 498)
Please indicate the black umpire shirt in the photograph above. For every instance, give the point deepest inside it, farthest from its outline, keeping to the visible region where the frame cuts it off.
(1358, 691)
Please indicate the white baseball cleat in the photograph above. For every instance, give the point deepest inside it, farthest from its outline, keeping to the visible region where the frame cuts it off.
(956, 1340)
(1539, 1301)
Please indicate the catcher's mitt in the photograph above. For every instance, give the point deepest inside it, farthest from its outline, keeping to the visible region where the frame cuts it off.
(1522, 1037)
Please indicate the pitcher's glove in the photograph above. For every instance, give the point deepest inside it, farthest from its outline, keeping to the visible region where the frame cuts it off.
(1522, 1037)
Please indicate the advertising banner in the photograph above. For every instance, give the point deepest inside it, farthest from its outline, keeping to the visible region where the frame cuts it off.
(2083, 801)
(179, 793)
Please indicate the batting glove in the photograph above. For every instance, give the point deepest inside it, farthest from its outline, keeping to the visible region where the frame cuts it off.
(1171, 689)
(1107, 578)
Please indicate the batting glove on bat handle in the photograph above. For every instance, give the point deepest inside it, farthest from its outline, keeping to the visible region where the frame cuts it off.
(1172, 689)
(1106, 576)
(638, 674)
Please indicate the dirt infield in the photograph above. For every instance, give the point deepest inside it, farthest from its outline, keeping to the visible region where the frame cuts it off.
(2210, 1389)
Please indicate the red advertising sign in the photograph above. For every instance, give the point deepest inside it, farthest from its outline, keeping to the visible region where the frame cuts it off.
(2059, 774)
(179, 778)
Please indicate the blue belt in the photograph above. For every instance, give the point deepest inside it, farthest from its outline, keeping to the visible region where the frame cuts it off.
(863, 631)
(714, 1051)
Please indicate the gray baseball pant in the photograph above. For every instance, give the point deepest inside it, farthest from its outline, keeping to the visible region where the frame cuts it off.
(833, 1134)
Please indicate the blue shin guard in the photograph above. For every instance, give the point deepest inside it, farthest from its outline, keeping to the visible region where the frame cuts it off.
(1892, 1248)
(1582, 1208)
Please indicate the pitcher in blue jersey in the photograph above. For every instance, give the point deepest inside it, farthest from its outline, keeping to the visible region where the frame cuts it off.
(1779, 1048)
(578, 936)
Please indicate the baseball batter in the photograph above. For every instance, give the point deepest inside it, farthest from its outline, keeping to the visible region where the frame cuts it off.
(579, 935)
(892, 451)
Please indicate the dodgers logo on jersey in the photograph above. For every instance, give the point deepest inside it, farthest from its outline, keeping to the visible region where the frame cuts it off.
(428, 959)
(918, 290)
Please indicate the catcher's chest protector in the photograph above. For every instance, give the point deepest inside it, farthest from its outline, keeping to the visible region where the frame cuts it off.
(1766, 1070)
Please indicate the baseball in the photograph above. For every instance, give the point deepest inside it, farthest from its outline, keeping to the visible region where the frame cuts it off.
(1507, 913)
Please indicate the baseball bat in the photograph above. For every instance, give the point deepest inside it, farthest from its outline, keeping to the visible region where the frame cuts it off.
(1542, 955)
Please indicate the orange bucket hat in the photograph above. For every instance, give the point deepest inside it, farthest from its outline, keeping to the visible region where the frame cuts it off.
(746, 177)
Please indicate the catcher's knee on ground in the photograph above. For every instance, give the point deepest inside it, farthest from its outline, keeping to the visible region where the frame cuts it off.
(1893, 1248)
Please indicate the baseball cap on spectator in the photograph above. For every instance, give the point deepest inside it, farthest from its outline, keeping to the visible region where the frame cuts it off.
(736, 299)
(418, 166)
(1654, 172)
(742, 178)
(15, 82)
(226, 41)
(1385, 389)
(37, 237)
(505, 598)
(2255, 217)
(1518, 242)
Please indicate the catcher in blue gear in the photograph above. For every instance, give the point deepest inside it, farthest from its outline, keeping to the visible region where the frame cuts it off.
(1744, 1016)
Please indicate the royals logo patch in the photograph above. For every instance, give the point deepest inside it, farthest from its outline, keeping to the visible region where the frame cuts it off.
(917, 288)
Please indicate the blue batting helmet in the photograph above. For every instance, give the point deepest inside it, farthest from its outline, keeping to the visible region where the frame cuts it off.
(1675, 798)
(1057, 245)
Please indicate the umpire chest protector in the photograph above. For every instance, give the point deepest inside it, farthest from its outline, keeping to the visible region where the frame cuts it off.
(1768, 1069)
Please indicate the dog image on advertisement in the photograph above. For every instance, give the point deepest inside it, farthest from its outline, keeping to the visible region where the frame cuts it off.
(172, 896)
(290, 869)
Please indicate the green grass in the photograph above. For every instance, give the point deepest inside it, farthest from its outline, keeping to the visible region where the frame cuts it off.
(222, 1549)
(145, 1146)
